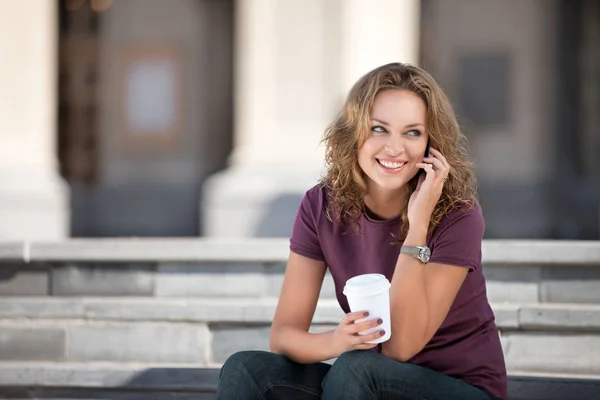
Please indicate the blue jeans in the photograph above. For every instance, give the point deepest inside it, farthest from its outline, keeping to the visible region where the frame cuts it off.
(355, 375)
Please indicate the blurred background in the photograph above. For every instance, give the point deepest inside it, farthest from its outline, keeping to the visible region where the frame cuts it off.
(192, 119)
(203, 117)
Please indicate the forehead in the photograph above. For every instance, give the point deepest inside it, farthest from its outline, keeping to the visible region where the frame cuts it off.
(397, 106)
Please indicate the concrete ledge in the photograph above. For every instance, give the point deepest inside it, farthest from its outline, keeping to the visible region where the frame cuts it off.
(148, 309)
(558, 387)
(558, 352)
(12, 251)
(253, 280)
(553, 339)
(106, 375)
(560, 316)
(163, 249)
(503, 252)
(104, 341)
(511, 316)
(541, 252)
(154, 379)
(74, 393)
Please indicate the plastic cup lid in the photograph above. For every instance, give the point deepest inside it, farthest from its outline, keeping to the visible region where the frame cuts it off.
(366, 285)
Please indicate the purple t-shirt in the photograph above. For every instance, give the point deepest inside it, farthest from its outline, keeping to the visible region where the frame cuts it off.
(467, 344)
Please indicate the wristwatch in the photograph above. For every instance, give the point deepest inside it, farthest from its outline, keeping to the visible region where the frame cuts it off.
(421, 253)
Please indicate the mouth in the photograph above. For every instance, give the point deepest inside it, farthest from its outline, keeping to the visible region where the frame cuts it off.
(391, 166)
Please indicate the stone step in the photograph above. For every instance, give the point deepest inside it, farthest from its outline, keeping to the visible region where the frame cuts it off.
(163, 381)
(525, 283)
(573, 317)
(549, 338)
(516, 270)
(494, 251)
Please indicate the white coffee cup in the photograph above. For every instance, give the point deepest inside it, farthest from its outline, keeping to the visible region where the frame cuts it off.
(370, 292)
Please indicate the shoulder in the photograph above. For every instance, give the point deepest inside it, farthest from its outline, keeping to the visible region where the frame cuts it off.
(457, 239)
(462, 218)
(317, 193)
(308, 226)
(316, 199)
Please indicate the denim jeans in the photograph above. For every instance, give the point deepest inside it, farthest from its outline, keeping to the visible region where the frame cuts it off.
(355, 375)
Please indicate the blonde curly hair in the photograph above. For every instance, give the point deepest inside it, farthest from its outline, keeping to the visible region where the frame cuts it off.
(345, 180)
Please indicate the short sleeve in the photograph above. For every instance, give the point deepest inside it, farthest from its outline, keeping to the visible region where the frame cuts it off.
(305, 238)
(457, 240)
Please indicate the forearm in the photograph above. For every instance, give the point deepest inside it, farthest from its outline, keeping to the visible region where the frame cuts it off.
(409, 303)
(301, 346)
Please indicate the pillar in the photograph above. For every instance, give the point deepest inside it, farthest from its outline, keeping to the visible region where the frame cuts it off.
(295, 61)
(33, 198)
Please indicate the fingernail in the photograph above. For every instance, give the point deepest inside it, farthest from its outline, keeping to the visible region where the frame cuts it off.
(382, 333)
(366, 313)
(380, 321)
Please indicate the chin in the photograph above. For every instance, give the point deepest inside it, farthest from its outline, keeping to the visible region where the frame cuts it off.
(389, 185)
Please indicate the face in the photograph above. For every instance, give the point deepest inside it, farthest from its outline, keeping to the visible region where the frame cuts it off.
(396, 141)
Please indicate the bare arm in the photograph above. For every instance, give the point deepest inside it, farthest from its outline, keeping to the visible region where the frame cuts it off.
(420, 298)
(421, 295)
(295, 310)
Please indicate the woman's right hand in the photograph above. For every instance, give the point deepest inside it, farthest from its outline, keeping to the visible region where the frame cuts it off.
(345, 336)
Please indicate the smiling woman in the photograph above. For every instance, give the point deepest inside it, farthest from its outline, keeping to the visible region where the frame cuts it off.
(401, 110)
(375, 213)
(390, 155)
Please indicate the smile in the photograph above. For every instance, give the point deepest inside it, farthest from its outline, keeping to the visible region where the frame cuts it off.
(390, 165)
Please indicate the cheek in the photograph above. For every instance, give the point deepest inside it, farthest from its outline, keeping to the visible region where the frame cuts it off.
(365, 156)
(417, 152)
(369, 148)
(363, 150)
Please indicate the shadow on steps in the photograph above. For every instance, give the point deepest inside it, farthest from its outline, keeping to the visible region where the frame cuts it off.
(201, 384)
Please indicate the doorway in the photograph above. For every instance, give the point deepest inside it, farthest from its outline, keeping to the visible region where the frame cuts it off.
(145, 112)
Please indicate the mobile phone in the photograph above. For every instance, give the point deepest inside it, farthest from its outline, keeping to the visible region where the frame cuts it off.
(424, 155)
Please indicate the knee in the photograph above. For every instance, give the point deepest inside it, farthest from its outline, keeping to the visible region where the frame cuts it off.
(351, 376)
(351, 360)
(352, 364)
(239, 365)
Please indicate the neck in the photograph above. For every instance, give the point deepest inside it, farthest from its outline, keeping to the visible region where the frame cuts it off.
(385, 204)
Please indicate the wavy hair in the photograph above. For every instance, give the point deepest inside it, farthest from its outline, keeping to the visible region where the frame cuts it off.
(345, 180)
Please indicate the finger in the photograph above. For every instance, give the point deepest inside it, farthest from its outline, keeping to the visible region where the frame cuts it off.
(436, 155)
(356, 340)
(430, 172)
(366, 325)
(365, 346)
(372, 336)
(353, 316)
(420, 182)
(439, 156)
(441, 170)
(437, 163)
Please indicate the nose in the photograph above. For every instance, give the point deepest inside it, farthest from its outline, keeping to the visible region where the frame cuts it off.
(395, 145)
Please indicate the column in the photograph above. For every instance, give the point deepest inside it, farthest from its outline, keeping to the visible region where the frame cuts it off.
(378, 32)
(295, 61)
(33, 199)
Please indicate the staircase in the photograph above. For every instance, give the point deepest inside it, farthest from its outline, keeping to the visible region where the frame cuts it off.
(155, 318)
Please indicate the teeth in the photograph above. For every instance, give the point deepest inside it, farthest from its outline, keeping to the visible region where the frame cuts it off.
(391, 165)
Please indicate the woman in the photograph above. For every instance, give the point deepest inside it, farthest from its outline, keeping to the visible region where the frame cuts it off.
(398, 188)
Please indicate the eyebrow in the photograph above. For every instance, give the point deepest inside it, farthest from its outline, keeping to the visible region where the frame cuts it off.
(407, 126)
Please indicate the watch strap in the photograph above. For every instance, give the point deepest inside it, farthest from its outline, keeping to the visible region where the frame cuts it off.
(414, 251)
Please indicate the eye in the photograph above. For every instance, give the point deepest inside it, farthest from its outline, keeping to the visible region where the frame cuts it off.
(414, 132)
(378, 129)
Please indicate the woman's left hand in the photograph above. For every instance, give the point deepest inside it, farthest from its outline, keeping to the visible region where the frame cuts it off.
(429, 189)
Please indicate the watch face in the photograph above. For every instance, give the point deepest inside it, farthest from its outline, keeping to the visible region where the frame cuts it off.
(425, 254)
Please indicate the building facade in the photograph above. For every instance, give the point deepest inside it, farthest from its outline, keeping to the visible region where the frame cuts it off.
(204, 117)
